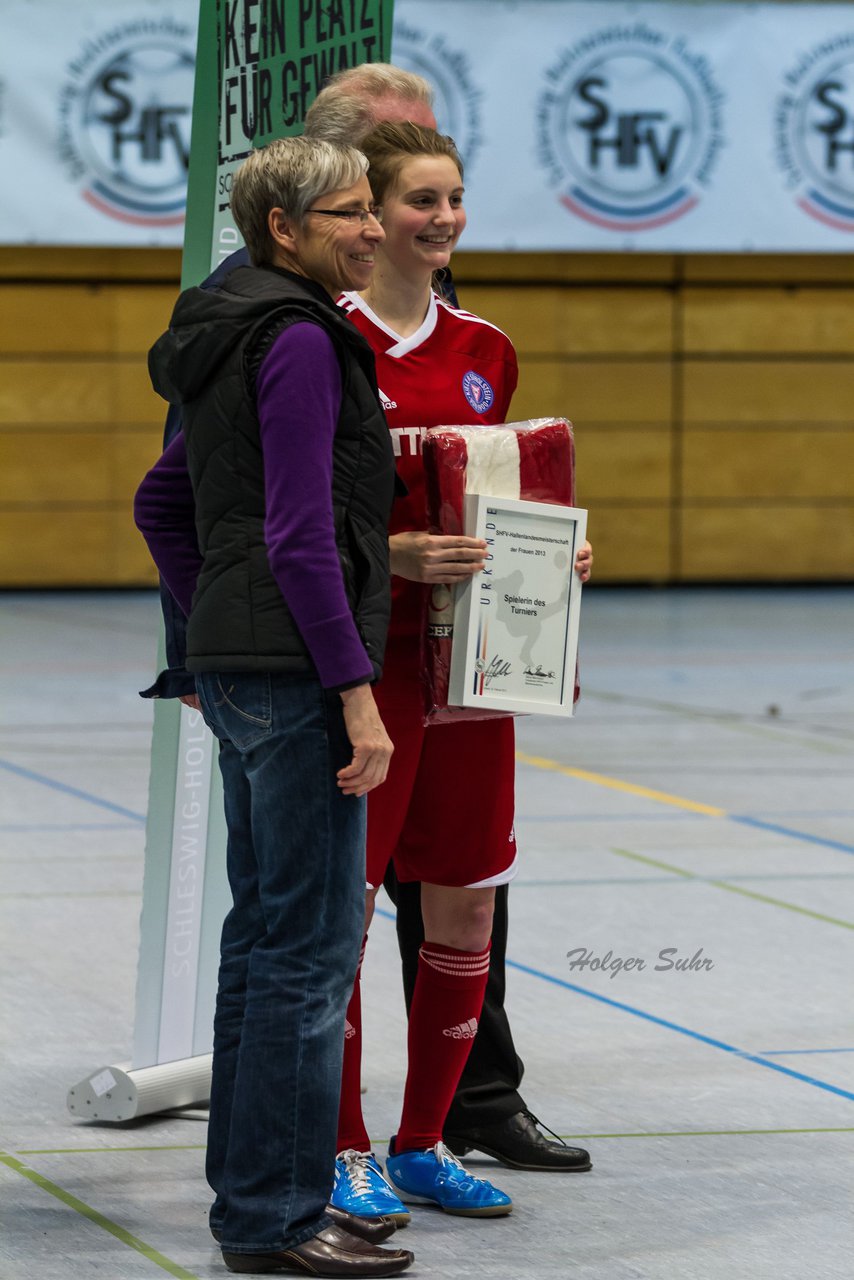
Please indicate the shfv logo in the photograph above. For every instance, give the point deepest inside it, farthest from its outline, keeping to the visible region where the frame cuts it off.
(815, 132)
(630, 128)
(125, 116)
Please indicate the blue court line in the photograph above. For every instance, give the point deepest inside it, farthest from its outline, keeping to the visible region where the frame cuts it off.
(811, 813)
(70, 791)
(785, 1053)
(670, 1026)
(678, 802)
(683, 1031)
(672, 817)
(791, 832)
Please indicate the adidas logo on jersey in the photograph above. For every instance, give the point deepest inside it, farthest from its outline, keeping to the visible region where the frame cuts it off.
(462, 1031)
(385, 402)
(349, 1030)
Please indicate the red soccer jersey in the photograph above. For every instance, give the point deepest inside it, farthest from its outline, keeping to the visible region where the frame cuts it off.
(455, 370)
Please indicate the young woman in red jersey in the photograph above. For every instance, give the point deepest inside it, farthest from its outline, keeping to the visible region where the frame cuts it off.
(436, 364)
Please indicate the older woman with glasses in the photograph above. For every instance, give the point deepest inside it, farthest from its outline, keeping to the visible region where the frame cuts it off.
(286, 464)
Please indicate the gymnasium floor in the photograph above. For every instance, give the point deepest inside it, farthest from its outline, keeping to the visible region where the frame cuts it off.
(701, 800)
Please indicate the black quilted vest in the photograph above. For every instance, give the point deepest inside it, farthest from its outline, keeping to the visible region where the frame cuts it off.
(207, 363)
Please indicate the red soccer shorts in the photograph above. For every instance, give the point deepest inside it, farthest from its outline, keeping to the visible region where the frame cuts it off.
(445, 811)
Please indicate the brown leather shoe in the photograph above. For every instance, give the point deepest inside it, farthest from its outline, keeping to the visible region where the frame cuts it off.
(374, 1230)
(332, 1252)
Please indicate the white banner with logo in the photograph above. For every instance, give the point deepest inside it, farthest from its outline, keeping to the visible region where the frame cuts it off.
(591, 125)
(659, 127)
(95, 114)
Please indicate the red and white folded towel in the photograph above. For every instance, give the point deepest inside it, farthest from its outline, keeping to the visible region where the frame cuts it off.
(533, 461)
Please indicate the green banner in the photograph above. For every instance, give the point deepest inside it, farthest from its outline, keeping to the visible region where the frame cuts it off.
(259, 66)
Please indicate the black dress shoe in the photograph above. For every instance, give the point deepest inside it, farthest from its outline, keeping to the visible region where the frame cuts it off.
(374, 1230)
(518, 1143)
(332, 1252)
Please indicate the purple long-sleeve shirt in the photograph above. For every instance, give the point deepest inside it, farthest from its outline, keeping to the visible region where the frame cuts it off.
(299, 400)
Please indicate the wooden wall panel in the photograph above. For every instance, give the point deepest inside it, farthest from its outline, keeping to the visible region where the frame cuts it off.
(768, 541)
(565, 268)
(51, 392)
(40, 318)
(622, 391)
(765, 391)
(560, 322)
(757, 463)
(52, 547)
(60, 547)
(623, 463)
(135, 399)
(70, 466)
(817, 322)
(48, 391)
(777, 269)
(58, 264)
(79, 426)
(140, 315)
(631, 543)
(83, 320)
(131, 563)
(709, 395)
(132, 454)
(54, 467)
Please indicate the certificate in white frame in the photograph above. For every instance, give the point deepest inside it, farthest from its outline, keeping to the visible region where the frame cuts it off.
(516, 622)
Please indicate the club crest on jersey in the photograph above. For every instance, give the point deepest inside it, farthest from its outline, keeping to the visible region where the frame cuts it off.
(477, 391)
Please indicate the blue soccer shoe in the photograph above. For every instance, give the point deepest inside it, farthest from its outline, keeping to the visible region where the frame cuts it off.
(437, 1177)
(360, 1188)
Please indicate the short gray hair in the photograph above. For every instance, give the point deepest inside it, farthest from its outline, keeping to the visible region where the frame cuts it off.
(288, 174)
(350, 103)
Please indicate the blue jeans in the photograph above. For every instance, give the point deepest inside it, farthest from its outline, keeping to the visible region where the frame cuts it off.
(290, 946)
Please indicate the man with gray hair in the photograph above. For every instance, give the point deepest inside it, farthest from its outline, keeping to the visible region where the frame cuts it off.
(488, 1113)
(354, 102)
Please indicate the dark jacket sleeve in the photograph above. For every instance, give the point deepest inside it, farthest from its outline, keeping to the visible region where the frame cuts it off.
(176, 681)
(447, 288)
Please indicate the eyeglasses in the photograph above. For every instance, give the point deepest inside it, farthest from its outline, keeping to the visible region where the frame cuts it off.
(374, 211)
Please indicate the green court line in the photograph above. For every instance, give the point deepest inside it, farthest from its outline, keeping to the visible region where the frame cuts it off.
(567, 1137)
(125, 1237)
(733, 888)
(73, 1151)
(70, 893)
(700, 1133)
(595, 882)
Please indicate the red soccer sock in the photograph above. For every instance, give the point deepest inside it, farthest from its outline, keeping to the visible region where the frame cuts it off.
(446, 1005)
(351, 1124)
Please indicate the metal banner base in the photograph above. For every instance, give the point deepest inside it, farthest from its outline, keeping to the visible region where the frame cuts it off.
(119, 1093)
